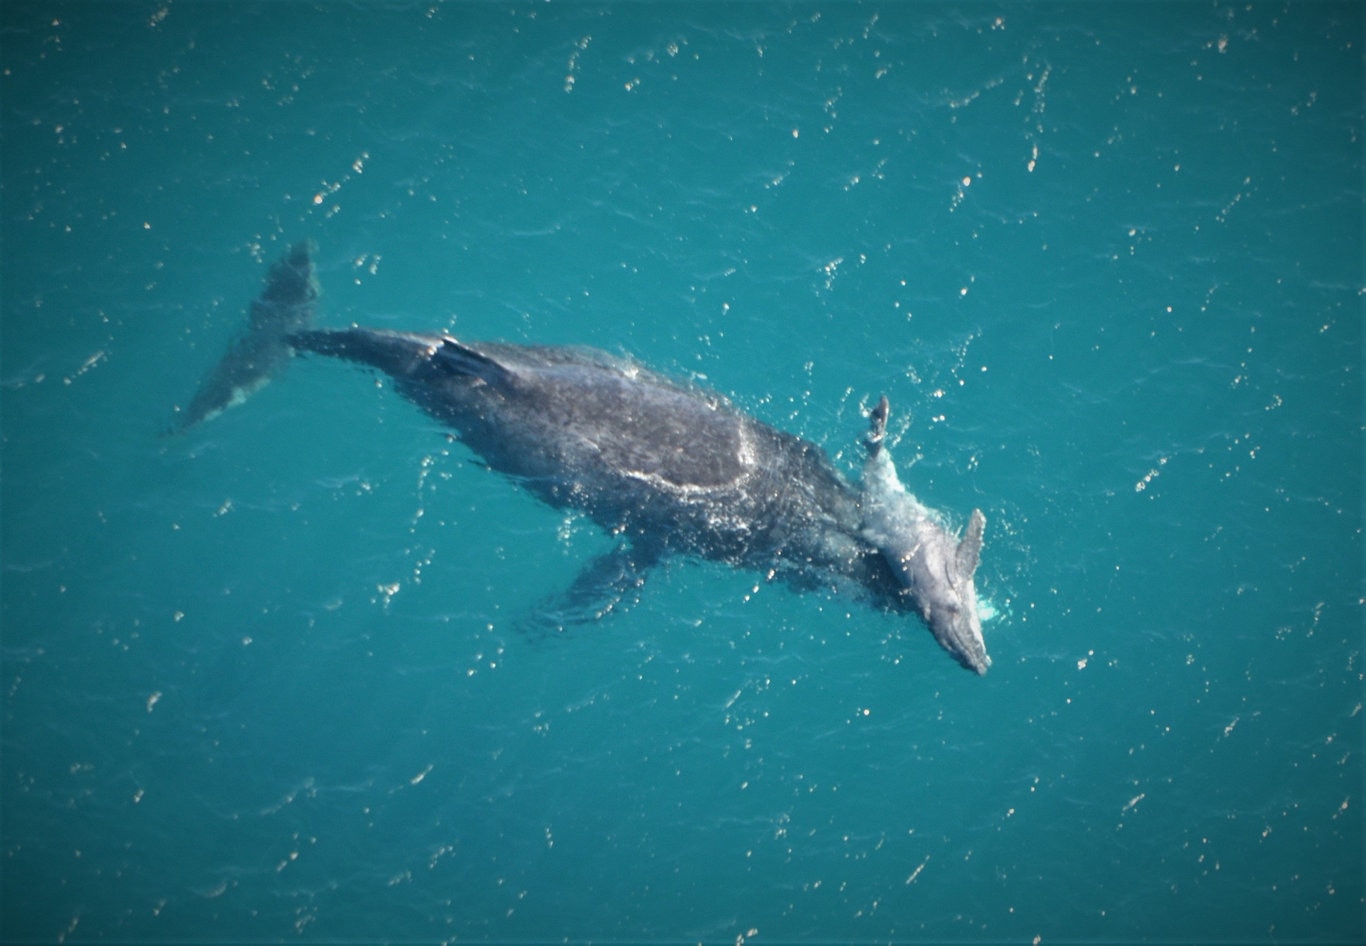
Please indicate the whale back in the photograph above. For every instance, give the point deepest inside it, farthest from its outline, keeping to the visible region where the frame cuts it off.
(641, 453)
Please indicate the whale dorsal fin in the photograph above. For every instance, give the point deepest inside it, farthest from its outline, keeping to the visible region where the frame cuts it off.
(458, 358)
(970, 549)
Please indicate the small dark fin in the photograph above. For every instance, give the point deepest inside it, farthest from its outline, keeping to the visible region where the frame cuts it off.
(877, 426)
(459, 358)
(262, 351)
(402, 354)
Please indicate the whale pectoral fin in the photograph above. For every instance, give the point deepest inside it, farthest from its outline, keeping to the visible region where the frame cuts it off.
(970, 549)
(610, 583)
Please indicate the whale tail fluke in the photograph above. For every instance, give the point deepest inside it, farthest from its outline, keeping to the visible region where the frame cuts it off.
(262, 351)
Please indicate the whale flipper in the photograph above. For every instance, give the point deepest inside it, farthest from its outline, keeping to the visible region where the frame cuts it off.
(610, 583)
(262, 352)
(970, 549)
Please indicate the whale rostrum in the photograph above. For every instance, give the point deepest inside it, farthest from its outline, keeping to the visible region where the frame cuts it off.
(665, 466)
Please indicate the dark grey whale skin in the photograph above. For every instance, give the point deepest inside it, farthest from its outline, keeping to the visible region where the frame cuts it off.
(666, 466)
(261, 352)
(669, 467)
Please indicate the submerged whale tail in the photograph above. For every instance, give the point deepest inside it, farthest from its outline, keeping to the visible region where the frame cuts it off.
(261, 352)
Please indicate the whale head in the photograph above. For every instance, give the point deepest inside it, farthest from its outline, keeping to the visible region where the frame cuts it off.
(932, 567)
(938, 574)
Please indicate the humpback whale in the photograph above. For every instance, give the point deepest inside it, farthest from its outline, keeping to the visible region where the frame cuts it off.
(666, 466)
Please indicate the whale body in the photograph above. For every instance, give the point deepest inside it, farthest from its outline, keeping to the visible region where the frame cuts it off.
(664, 465)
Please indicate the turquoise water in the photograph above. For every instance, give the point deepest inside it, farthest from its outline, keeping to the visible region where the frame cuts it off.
(263, 682)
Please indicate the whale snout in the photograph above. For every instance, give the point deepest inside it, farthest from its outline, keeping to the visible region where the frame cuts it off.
(977, 663)
(973, 656)
(959, 631)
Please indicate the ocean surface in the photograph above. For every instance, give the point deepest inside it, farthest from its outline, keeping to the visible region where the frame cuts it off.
(264, 682)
